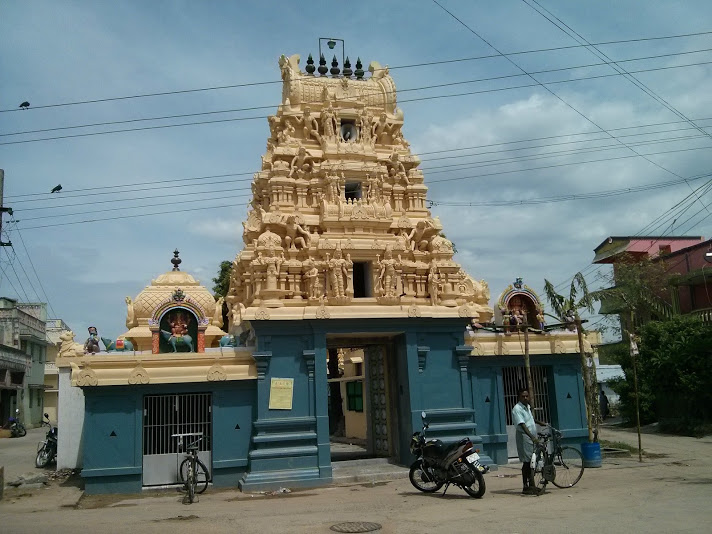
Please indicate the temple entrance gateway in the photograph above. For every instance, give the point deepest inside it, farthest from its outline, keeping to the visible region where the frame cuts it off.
(363, 402)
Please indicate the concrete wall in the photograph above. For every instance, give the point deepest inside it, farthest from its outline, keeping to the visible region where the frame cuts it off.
(70, 422)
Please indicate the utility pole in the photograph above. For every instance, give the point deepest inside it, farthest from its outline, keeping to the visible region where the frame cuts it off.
(3, 209)
(633, 355)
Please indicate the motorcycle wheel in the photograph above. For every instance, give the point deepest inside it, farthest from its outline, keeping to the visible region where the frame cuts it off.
(21, 432)
(477, 488)
(422, 479)
(42, 457)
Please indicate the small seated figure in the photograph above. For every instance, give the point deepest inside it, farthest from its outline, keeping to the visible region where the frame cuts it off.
(91, 345)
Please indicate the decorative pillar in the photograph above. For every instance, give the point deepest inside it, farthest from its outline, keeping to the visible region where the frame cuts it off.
(155, 341)
(309, 356)
(463, 358)
(201, 340)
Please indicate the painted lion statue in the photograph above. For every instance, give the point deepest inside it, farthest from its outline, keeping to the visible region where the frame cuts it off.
(69, 348)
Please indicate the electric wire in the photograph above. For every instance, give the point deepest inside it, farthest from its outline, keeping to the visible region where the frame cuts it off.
(416, 99)
(414, 65)
(39, 280)
(11, 263)
(400, 91)
(615, 65)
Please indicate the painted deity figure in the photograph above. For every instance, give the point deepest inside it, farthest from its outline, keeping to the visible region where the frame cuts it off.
(218, 315)
(296, 235)
(338, 269)
(91, 345)
(388, 275)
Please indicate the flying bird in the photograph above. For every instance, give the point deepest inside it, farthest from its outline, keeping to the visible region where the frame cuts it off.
(25, 105)
(56, 189)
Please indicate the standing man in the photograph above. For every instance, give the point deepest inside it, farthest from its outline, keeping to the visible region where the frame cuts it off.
(526, 438)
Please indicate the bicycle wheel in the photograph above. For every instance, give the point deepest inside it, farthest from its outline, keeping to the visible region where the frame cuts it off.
(569, 467)
(202, 474)
(477, 488)
(540, 481)
(422, 478)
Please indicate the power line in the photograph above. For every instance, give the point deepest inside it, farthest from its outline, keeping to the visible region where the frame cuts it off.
(12, 264)
(417, 99)
(544, 86)
(565, 198)
(616, 67)
(35, 271)
(156, 183)
(400, 91)
(414, 65)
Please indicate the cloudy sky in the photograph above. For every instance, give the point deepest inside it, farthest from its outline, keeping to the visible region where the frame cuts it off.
(515, 147)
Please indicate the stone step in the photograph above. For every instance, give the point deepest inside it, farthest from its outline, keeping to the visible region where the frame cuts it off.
(367, 470)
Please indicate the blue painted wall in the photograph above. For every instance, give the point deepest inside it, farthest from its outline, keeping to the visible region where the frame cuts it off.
(113, 433)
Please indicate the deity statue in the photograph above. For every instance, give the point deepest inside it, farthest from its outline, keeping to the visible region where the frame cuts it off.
(91, 345)
(329, 123)
(218, 315)
(434, 283)
(286, 134)
(397, 170)
(366, 123)
(417, 237)
(311, 277)
(273, 263)
(388, 276)
(338, 269)
(310, 126)
(179, 325)
(333, 188)
(130, 314)
(301, 162)
(381, 128)
(296, 235)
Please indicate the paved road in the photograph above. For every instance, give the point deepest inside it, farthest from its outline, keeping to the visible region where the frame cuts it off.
(670, 493)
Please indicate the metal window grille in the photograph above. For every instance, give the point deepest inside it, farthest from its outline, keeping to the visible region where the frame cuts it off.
(515, 378)
(167, 415)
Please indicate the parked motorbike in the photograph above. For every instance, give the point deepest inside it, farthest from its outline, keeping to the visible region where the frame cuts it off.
(17, 429)
(47, 449)
(438, 464)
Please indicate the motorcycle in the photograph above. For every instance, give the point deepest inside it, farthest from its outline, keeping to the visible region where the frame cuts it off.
(438, 464)
(17, 429)
(47, 449)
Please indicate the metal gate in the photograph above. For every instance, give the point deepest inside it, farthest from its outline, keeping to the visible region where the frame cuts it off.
(379, 402)
(170, 422)
(515, 378)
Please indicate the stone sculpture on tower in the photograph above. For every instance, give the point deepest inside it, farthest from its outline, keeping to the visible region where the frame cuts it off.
(338, 225)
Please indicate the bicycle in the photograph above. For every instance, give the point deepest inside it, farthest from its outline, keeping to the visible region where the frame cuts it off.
(563, 466)
(192, 471)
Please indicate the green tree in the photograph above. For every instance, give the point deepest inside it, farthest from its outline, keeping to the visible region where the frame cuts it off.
(565, 308)
(222, 280)
(676, 366)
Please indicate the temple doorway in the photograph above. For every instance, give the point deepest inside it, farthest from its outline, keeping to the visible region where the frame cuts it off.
(362, 397)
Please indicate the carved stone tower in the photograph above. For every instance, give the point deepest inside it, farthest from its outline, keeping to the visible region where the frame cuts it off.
(338, 226)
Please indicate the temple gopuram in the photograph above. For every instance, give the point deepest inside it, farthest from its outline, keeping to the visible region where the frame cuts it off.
(347, 317)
